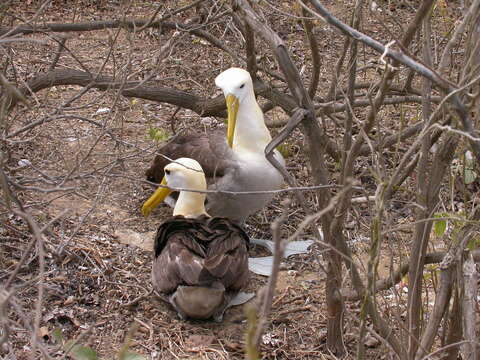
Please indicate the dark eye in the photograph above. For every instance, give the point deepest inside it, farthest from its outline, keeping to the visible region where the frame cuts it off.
(241, 86)
(167, 172)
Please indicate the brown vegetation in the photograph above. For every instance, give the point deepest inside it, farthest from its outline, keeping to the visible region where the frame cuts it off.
(378, 105)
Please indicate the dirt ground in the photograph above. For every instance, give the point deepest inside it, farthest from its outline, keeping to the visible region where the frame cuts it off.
(98, 249)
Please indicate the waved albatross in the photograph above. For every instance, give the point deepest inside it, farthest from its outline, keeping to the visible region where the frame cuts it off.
(237, 163)
(200, 263)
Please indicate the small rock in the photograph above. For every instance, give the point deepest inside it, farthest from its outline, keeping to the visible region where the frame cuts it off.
(102, 111)
(374, 7)
(24, 163)
(370, 341)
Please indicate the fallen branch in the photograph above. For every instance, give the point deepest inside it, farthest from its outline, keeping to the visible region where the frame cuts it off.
(397, 275)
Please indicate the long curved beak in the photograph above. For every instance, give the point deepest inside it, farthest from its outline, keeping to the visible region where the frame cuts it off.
(232, 108)
(158, 196)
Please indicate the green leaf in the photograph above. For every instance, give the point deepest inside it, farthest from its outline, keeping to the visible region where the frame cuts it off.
(469, 176)
(130, 355)
(57, 335)
(473, 243)
(157, 134)
(440, 226)
(80, 352)
(285, 150)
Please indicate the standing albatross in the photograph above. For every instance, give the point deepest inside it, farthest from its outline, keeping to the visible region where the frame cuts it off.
(234, 164)
(200, 263)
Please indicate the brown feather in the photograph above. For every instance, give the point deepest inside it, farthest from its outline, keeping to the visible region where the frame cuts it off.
(211, 151)
(200, 252)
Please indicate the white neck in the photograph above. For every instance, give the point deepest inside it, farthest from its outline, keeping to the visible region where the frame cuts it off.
(190, 204)
(251, 133)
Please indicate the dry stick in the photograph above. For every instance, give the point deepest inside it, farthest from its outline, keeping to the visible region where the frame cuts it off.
(35, 230)
(291, 74)
(372, 266)
(179, 10)
(352, 75)
(426, 205)
(437, 171)
(409, 79)
(61, 47)
(455, 101)
(413, 148)
(472, 65)
(313, 131)
(338, 106)
(455, 330)
(22, 261)
(449, 347)
(26, 323)
(9, 196)
(392, 140)
(4, 299)
(442, 300)
(59, 117)
(347, 173)
(278, 250)
(338, 221)
(338, 67)
(61, 248)
(37, 14)
(356, 147)
(470, 281)
(318, 171)
(455, 38)
(316, 137)
(250, 50)
(310, 219)
(397, 275)
(447, 277)
(314, 134)
(204, 107)
(297, 117)
(369, 123)
(316, 61)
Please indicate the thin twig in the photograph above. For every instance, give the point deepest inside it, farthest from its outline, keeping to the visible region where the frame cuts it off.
(279, 247)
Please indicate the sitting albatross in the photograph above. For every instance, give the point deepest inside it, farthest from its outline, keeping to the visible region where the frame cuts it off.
(235, 164)
(200, 262)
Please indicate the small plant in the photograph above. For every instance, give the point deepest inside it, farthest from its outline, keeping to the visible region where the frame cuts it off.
(440, 226)
(157, 134)
(285, 149)
(82, 352)
(469, 174)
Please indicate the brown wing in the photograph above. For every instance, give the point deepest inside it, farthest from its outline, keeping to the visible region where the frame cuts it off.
(227, 255)
(211, 151)
(200, 252)
(178, 257)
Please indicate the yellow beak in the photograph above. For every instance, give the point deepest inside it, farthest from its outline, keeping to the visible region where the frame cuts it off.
(232, 108)
(158, 196)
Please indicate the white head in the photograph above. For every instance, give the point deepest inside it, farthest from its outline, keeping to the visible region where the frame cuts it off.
(237, 82)
(183, 173)
(246, 128)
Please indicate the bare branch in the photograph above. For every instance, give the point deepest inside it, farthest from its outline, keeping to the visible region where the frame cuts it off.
(279, 248)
